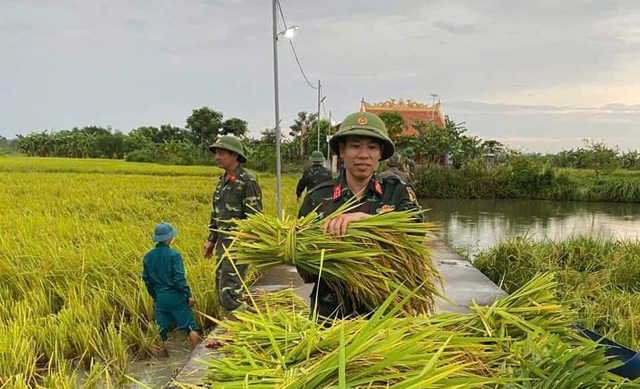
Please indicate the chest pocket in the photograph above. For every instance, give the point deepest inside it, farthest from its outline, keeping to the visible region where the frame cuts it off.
(232, 198)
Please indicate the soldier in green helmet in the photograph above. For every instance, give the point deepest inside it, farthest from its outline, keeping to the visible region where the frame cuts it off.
(362, 142)
(408, 159)
(236, 196)
(314, 175)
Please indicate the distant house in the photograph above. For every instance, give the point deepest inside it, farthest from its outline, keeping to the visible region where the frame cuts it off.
(409, 110)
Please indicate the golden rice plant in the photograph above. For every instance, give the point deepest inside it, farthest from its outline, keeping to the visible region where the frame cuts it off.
(377, 255)
(72, 237)
(525, 346)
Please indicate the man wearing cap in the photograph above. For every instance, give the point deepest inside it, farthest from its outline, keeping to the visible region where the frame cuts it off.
(236, 196)
(164, 276)
(393, 170)
(314, 175)
(362, 142)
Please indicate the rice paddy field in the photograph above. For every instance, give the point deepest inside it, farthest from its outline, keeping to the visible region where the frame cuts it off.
(75, 313)
(598, 279)
(72, 236)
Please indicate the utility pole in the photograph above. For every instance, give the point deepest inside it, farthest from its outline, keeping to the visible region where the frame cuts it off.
(277, 108)
(319, 102)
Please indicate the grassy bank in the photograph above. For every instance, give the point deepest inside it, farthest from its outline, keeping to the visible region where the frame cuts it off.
(73, 233)
(526, 179)
(599, 279)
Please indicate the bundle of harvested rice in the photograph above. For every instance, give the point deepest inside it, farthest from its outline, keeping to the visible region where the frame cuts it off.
(377, 256)
(287, 350)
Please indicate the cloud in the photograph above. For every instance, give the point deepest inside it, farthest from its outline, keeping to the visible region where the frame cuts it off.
(512, 69)
(498, 108)
(458, 29)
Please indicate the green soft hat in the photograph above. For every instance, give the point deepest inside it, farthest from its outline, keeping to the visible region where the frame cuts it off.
(163, 231)
(230, 143)
(363, 124)
(316, 156)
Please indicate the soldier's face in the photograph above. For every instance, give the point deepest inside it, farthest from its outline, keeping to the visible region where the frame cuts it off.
(225, 159)
(361, 156)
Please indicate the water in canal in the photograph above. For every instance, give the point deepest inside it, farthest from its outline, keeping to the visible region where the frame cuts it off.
(473, 225)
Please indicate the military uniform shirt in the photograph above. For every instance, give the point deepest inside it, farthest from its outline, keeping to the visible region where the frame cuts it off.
(235, 197)
(395, 171)
(382, 195)
(312, 177)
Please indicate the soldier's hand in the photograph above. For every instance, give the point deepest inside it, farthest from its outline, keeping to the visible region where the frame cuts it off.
(338, 226)
(191, 301)
(207, 249)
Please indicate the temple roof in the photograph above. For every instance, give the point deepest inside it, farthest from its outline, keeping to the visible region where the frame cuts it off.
(409, 110)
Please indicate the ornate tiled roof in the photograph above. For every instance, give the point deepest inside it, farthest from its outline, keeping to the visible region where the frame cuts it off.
(409, 110)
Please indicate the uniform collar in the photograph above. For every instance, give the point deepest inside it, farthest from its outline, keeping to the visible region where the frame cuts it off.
(374, 186)
(233, 176)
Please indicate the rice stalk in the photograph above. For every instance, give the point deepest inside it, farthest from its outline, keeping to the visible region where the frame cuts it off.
(379, 254)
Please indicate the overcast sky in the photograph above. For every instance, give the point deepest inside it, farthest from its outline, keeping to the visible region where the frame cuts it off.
(537, 75)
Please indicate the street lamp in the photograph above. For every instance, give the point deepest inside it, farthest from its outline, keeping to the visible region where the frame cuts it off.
(288, 33)
(434, 95)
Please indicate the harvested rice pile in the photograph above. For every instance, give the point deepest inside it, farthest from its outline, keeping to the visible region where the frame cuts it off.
(380, 254)
(522, 341)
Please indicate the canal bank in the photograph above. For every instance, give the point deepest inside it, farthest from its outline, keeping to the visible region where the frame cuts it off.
(463, 284)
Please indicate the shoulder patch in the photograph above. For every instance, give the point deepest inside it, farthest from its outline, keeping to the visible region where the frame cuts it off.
(337, 191)
(377, 187)
(411, 194)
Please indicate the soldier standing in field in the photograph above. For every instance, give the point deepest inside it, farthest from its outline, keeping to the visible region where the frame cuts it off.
(236, 196)
(362, 142)
(409, 154)
(314, 175)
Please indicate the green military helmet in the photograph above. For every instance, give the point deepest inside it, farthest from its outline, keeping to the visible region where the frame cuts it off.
(363, 124)
(408, 152)
(230, 143)
(316, 156)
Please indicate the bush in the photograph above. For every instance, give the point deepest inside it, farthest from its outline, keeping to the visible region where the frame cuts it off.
(142, 155)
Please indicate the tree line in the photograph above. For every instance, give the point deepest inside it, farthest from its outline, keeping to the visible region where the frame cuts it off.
(433, 145)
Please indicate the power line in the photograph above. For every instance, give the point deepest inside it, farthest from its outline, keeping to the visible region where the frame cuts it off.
(295, 54)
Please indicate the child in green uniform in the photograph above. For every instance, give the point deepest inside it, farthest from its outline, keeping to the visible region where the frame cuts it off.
(164, 276)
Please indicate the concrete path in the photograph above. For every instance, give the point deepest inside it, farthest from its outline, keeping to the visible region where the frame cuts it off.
(463, 283)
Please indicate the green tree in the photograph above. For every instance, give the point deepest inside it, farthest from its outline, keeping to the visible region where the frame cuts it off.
(234, 126)
(205, 124)
(311, 136)
(599, 157)
(434, 142)
(304, 122)
(492, 146)
(629, 159)
(394, 122)
(168, 133)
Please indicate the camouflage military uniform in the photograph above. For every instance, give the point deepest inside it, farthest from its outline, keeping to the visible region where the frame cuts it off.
(383, 195)
(411, 164)
(235, 197)
(312, 177)
(394, 171)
